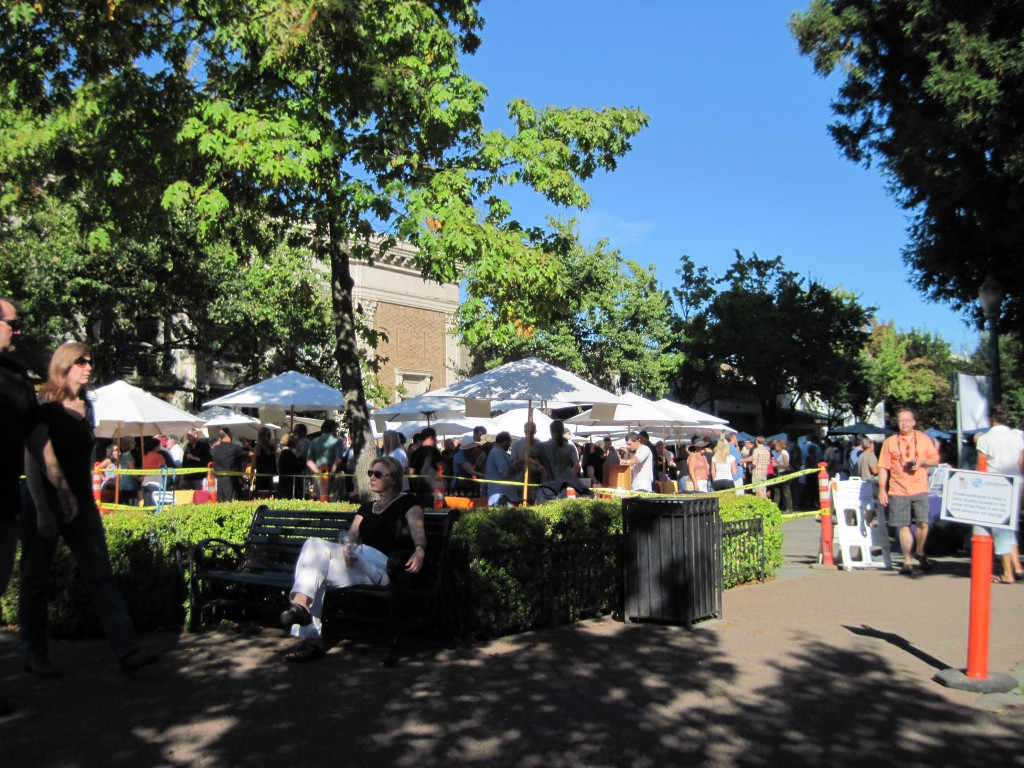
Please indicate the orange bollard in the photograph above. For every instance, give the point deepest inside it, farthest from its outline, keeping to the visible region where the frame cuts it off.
(97, 482)
(97, 485)
(325, 482)
(981, 595)
(439, 491)
(825, 503)
(211, 484)
(570, 492)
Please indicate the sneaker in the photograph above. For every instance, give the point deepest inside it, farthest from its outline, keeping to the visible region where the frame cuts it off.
(924, 562)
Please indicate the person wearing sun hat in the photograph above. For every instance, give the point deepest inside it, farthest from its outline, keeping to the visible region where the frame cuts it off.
(698, 469)
(464, 466)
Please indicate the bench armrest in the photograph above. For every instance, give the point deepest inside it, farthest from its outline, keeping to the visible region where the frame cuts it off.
(424, 581)
(219, 552)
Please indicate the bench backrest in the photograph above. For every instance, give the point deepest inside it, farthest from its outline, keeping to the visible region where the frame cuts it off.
(276, 535)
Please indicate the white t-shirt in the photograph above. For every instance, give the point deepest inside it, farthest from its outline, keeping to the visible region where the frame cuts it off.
(643, 470)
(1002, 446)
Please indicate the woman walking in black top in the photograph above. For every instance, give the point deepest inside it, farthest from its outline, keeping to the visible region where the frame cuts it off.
(68, 414)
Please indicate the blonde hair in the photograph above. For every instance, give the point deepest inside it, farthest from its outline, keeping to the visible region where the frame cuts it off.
(392, 468)
(722, 451)
(56, 388)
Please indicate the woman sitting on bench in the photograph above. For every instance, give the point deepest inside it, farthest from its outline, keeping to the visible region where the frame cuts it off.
(363, 559)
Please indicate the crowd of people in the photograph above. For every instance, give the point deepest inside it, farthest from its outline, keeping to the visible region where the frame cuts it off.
(51, 440)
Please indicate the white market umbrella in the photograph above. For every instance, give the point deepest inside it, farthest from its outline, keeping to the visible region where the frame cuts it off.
(292, 391)
(532, 380)
(123, 409)
(422, 407)
(686, 413)
(239, 424)
(634, 410)
(446, 428)
(512, 422)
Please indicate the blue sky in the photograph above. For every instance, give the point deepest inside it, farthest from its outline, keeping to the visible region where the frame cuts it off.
(737, 155)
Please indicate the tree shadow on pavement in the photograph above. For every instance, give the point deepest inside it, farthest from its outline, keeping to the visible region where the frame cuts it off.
(593, 694)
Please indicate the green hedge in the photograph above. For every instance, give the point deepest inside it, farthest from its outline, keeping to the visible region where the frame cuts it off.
(143, 554)
(507, 564)
(733, 507)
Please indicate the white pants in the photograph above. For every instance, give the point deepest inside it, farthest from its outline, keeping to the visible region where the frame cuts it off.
(321, 564)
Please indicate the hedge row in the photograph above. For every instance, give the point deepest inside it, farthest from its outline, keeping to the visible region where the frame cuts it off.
(512, 569)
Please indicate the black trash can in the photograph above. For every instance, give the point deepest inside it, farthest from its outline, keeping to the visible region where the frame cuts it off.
(672, 560)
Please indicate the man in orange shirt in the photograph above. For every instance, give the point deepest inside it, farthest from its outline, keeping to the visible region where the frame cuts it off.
(903, 485)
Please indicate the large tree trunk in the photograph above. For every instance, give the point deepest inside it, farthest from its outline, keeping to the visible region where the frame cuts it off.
(346, 353)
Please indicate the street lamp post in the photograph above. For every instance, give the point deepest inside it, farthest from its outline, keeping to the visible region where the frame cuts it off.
(991, 296)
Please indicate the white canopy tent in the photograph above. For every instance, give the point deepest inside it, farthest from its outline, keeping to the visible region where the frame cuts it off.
(532, 380)
(240, 425)
(292, 391)
(428, 407)
(122, 409)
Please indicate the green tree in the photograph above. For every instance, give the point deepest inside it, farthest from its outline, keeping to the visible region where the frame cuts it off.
(767, 334)
(934, 90)
(258, 313)
(333, 118)
(913, 369)
(613, 327)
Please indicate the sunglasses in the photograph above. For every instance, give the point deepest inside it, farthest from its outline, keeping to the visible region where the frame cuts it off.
(375, 473)
(81, 362)
(14, 323)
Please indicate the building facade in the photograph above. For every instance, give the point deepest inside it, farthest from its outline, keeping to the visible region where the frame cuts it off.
(418, 316)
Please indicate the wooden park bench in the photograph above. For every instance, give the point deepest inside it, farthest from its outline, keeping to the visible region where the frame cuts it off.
(251, 576)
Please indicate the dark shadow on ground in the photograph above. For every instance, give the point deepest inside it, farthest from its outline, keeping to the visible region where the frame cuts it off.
(569, 692)
(586, 695)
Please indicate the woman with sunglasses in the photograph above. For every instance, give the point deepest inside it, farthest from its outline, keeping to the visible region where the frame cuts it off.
(362, 559)
(68, 414)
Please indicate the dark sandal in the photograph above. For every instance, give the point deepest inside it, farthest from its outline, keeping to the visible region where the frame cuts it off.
(297, 614)
(304, 653)
(924, 562)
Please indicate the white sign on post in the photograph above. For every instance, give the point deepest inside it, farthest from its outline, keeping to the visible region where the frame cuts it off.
(981, 498)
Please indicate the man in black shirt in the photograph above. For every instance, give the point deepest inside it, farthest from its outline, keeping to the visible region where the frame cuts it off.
(22, 427)
(423, 466)
(227, 457)
(197, 454)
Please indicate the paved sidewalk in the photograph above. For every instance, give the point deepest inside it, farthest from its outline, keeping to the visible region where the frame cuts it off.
(816, 668)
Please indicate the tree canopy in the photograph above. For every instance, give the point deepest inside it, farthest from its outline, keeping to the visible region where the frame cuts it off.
(614, 327)
(934, 90)
(767, 334)
(332, 118)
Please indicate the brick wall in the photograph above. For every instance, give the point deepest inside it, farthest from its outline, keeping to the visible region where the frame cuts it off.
(416, 339)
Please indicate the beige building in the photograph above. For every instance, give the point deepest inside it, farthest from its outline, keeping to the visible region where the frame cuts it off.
(418, 317)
